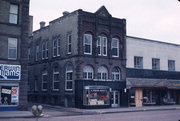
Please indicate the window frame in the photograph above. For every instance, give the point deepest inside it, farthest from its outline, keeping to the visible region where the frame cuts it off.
(114, 74)
(44, 73)
(155, 63)
(84, 44)
(69, 45)
(43, 50)
(102, 72)
(140, 60)
(15, 15)
(37, 53)
(87, 71)
(69, 72)
(172, 68)
(101, 45)
(15, 48)
(55, 73)
(115, 47)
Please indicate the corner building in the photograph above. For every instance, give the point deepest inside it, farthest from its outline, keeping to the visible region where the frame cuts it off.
(78, 60)
(14, 21)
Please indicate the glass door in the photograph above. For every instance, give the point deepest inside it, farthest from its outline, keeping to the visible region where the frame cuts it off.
(115, 97)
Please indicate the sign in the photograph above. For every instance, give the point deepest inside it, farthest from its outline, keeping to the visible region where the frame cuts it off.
(6, 91)
(10, 72)
(14, 94)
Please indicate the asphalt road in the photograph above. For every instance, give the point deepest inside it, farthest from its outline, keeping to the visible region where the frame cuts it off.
(166, 115)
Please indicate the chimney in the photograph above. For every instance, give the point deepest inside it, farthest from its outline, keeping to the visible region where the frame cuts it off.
(42, 24)
(65, 13)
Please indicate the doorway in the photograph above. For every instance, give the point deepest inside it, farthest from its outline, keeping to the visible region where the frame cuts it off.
(115, 98)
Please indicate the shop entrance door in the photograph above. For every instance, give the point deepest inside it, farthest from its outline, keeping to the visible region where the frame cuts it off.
(115, 97)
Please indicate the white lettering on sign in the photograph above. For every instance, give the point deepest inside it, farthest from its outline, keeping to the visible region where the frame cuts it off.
(10, 72)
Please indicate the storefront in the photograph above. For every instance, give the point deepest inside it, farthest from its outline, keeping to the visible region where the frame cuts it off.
(100, 94)
(96, 95)
(147, 92)
(9, 86)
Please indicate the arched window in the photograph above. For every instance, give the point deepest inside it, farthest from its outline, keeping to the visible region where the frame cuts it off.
(44, 80)
(116, 74)
(69, 74)
(55, 79)
(88, 72)
(102, 73)
(87, 44)
(115, 47)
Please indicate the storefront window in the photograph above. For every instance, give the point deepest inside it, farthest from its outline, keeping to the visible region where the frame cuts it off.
(149, 96)
(9, 95)
(96, 95)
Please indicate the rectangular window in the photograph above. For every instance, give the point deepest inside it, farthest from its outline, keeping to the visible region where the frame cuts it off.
(37, 52)
(155, 63)
(138, 62)
(58, 47)
(69, 44)
(102, 46)
(87, 44)
(54, 47)
(94, 95)
(9, 95)
(43, 50)
(13, 14)
(115, 47)
(171, 65)
(69, 81)
(12, 48)
(46, 53)
(44, 81)
(56, 81)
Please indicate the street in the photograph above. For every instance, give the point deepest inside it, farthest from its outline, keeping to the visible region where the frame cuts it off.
(166, 115)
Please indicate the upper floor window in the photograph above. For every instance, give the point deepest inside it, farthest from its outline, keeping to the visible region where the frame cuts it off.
(171, 65)
(44, 80)
(115, 47)
(102, 73)
(69, 75)
(69, 49)
(56, 47)
(45, 50)
(12, 48)
(138, 62)
(116, 73)
(88, 72)
(156, 63)
(56, 79)
(37, 52)
(102, 46)
(13, 15)
(87, 44)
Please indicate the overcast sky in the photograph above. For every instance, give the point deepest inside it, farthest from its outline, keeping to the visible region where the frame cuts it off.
(151, 19)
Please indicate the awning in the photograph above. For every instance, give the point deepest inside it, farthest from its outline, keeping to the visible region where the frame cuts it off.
(160, 83)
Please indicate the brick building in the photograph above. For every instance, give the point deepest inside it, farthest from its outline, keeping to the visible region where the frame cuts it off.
(79, 60)
(14, 20)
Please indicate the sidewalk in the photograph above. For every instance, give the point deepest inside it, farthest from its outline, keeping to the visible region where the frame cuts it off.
(55, 111)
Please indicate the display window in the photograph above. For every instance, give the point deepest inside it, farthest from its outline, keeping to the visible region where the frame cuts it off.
(9, 95)
(96, 96)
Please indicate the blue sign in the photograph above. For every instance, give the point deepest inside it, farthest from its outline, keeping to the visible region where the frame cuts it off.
(10, 72)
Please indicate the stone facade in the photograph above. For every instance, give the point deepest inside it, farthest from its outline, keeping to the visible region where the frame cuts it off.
(17, 30)
(75, 24)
